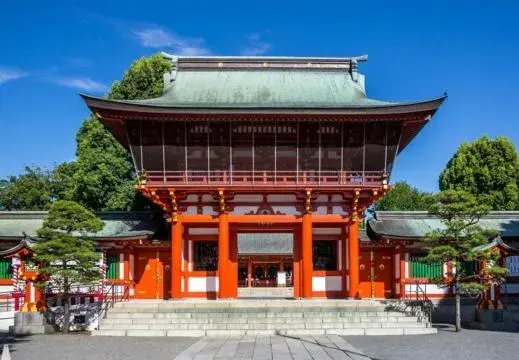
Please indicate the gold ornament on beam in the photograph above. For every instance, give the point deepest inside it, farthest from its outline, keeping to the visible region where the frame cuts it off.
(355, 206)
(221, 201)
(308, 201)
(174, 206)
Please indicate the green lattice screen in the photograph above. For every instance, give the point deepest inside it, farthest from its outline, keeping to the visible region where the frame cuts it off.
(112, 267)
(6, 269)
(420, 269)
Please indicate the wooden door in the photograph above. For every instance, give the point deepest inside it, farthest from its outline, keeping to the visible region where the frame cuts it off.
(375, 274)
(365, 274)
(153, 275)
(383, 272)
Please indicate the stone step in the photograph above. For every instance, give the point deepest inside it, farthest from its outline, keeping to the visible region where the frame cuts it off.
(250, 303)
(174, 315)
(257, 317)
(260, 326)
(249, 320)
(318, 309)
(295, 332)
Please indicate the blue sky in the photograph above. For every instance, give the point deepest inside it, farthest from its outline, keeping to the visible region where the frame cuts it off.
(417, 50)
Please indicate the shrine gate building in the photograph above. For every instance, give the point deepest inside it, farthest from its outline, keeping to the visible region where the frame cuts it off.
(263, 167)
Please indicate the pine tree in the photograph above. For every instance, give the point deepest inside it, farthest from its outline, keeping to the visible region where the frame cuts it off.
(65, 254)
(461, 240)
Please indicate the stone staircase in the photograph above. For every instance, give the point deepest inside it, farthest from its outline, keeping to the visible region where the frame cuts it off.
(258, 317)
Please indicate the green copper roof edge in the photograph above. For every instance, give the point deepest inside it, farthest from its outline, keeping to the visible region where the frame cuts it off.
(353, 108)
(216, 58)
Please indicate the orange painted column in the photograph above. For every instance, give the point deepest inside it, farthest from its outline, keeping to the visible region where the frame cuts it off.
(176, 259)
(306, 252)
(353, 258)
(402, 274)
(226, 284)
(296, 266)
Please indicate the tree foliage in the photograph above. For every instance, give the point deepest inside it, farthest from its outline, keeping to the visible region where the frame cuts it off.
(486, 168)
(105, 176)
(404, 197)
(29, 191)
(461, 240)
(62, 181)
(144, 79)
(66, 256)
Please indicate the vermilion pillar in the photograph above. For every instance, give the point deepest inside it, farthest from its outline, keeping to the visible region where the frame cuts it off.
(227, 287)
(402, 273)
(306, 252)
(176, 259)
(353, 258)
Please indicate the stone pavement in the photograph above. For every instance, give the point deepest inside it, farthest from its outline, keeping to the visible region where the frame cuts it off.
(447, 344)
(323, 347)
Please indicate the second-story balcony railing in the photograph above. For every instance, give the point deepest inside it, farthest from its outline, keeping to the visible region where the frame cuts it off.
(264, 178)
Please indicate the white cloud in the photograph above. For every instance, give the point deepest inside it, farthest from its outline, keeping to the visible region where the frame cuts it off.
(9, 74)
(158, 37)
(81, 83)
(257, 46)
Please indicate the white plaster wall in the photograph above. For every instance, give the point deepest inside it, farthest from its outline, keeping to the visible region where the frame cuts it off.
(121, 266)
(203, 284)
(326, 283)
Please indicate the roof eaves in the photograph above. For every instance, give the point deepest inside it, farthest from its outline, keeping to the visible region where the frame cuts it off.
(97, 103)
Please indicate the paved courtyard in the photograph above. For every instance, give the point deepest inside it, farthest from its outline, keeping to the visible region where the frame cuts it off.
(467, 345)
(447, 344)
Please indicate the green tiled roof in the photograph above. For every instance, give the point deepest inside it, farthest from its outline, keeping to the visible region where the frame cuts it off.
(261, 83)
(416, 224)
(260, 88)
(16, 224)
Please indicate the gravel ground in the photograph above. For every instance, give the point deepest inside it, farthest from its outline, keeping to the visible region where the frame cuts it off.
(447, 344)
(83, 347)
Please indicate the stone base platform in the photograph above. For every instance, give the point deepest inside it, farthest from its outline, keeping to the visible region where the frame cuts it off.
(258, 317)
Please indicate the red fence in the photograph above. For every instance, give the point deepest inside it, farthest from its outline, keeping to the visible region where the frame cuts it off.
(264, 178)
